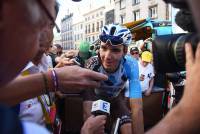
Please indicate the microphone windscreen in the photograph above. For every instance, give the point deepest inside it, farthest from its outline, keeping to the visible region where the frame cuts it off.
(184, 20)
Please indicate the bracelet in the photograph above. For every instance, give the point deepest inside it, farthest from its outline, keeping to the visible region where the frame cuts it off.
(45, 83)
(55, 80)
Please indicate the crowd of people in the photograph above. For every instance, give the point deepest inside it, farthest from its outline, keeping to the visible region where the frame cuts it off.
(33, 71)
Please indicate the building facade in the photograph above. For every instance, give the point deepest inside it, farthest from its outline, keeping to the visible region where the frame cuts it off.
(109, 12)
(74, 30)
(79, 33)
(132, 10)
(93, 21)
(67, 41)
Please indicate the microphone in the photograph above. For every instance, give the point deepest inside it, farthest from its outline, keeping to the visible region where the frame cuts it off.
(100, 107)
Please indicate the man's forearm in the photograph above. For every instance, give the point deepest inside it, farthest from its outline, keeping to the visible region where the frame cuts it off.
(137, 115)
(22, 88)
(180, 120)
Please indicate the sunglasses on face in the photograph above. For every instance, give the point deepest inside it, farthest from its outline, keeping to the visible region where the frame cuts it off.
(134, 53)
(114, 40)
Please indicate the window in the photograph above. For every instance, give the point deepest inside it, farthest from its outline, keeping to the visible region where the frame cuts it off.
(122, 4)
(71, 36)
(135, 2)
(97, 27)
(136, 15)
(93, 38)
(153, 12)
(101, 23)
(89, 28)
(81, 26)
(101, 13)
(93, 27)
(122, 18)
(86, 29)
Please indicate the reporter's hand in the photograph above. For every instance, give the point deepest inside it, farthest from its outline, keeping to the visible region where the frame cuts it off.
(74, 77)
(94, 125)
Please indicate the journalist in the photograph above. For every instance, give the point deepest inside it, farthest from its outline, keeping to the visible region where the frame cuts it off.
(29, 19)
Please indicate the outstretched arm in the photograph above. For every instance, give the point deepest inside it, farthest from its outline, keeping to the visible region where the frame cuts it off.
(69, 77)
(137, 115)
(184, 118)
(136, 99)
(22, 88)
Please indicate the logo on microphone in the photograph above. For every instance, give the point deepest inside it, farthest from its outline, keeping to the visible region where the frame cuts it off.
(101, 106)
(105, 106)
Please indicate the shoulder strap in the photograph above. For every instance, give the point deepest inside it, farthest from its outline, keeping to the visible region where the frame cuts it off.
(45, 110)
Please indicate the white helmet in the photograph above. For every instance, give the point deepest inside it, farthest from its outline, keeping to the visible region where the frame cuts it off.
(116, 34)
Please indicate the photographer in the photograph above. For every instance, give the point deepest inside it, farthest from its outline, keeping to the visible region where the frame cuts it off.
(184, 118)
(28, 19)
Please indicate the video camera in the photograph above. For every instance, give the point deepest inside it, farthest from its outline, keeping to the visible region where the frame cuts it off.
(169, 50)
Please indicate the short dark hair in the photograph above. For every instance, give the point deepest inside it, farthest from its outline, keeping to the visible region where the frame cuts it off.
(58, 46)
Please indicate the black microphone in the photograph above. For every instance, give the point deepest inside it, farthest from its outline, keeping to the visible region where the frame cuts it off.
(100, 107)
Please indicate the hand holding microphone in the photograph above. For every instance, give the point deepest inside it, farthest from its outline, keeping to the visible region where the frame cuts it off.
(95, 123)
(100, 108)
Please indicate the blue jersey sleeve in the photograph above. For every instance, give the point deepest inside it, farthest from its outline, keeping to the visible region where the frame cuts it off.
(132, 70)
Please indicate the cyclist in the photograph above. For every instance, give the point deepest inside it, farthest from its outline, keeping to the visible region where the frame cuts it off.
(119, 67)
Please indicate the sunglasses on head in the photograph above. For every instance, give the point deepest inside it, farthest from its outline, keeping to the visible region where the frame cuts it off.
(114, 40)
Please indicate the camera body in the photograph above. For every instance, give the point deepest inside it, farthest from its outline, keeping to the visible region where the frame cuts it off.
(169, 50)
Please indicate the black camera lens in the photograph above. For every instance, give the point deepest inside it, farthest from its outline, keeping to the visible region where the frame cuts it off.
(169, 51)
